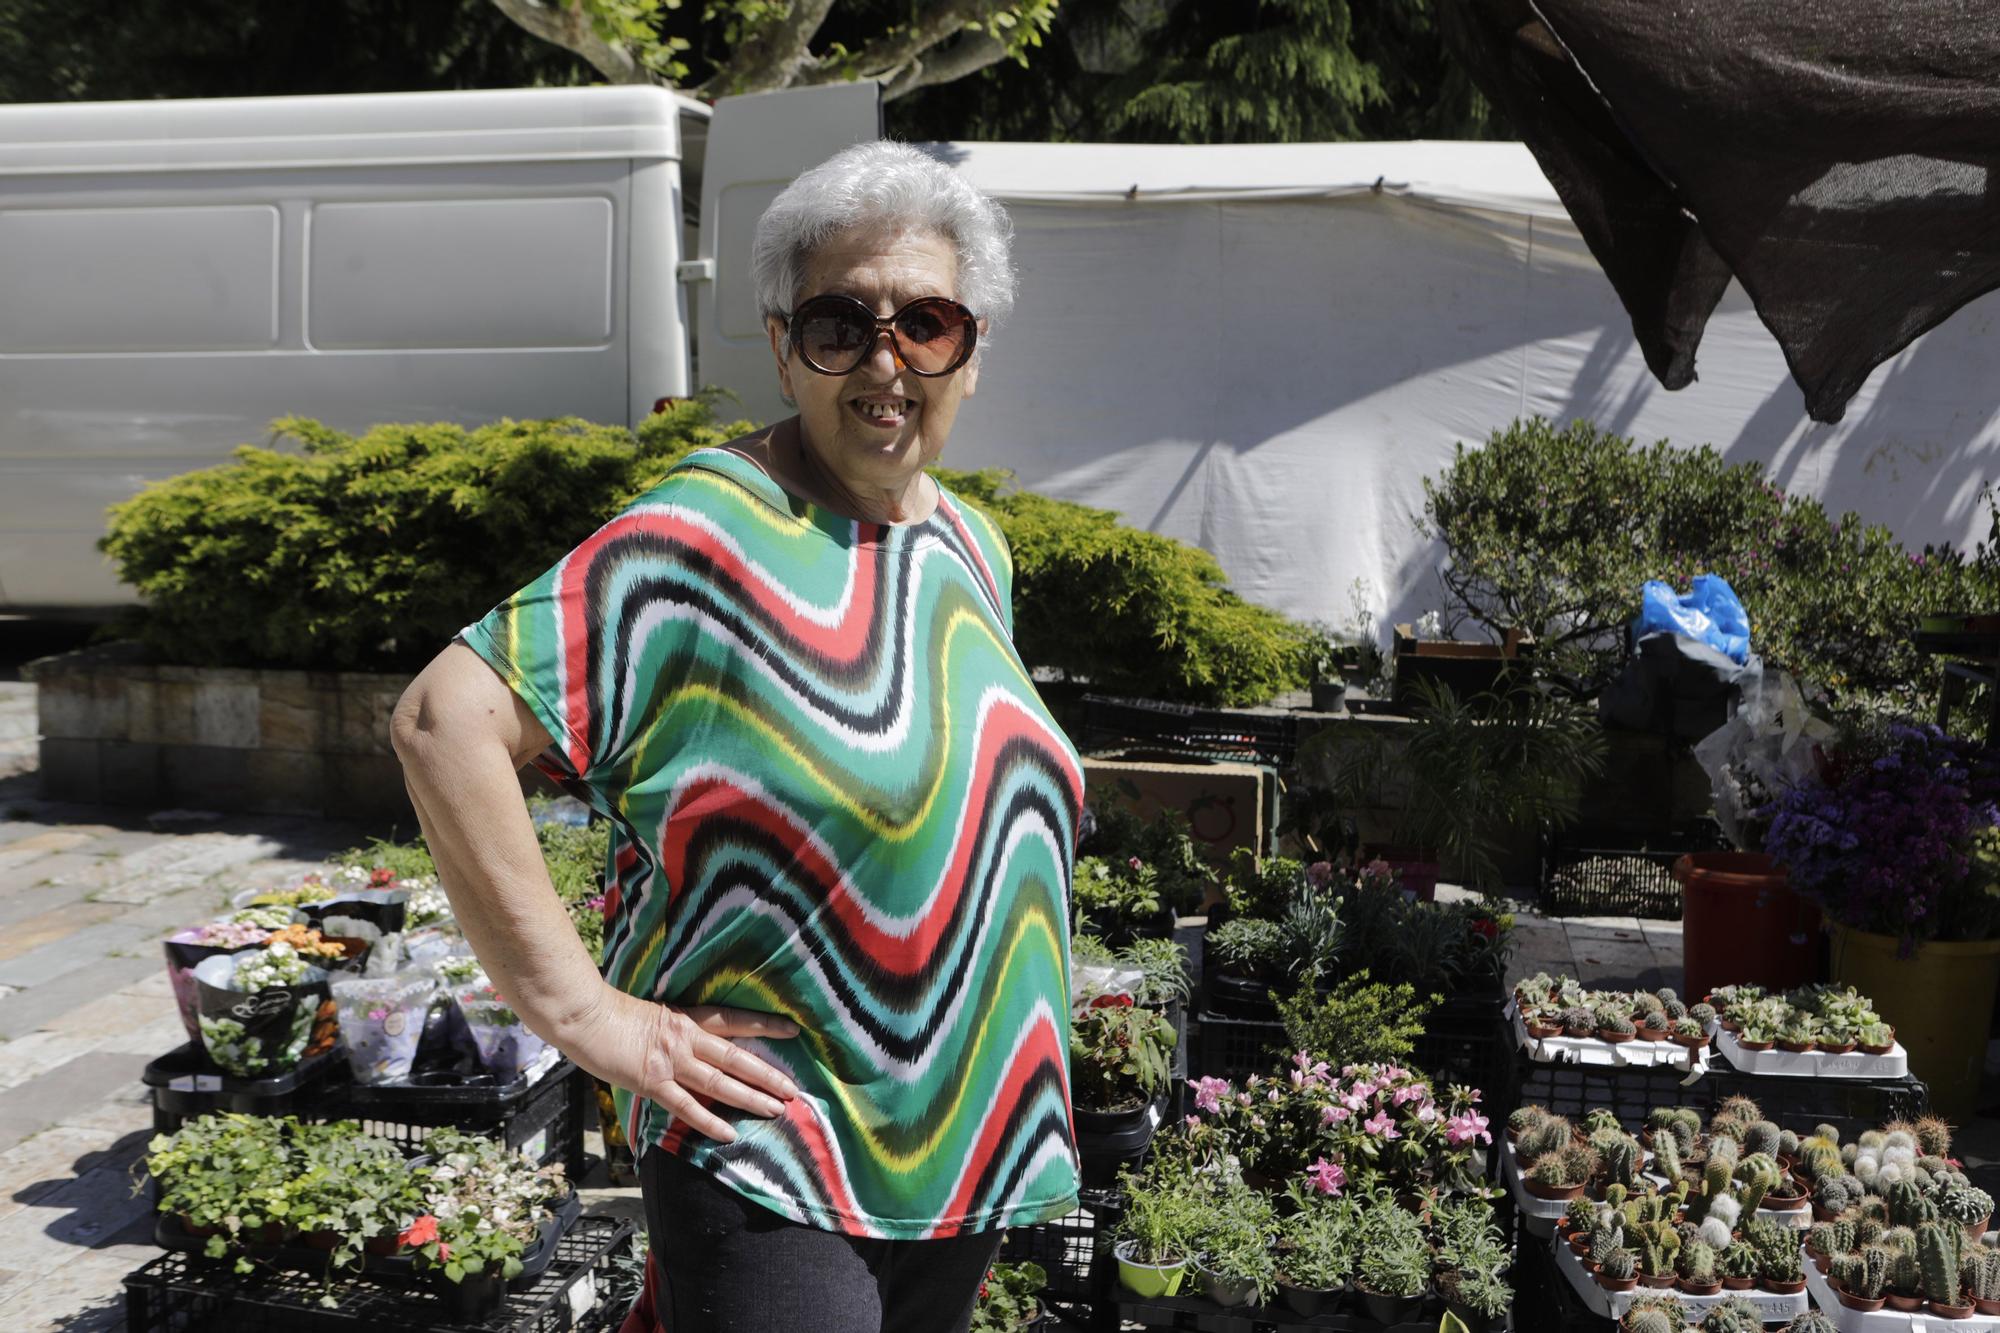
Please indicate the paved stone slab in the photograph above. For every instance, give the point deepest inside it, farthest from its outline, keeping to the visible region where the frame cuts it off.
(48, 927)
(40, 1103)
(20, 853)
(26, 1011)
(67, 953)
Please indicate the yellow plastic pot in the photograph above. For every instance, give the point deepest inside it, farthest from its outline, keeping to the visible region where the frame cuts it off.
(1939, 1000)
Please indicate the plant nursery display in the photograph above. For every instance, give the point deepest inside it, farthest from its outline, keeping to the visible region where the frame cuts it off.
(258, 1008)
(1833, 1019)
(1561, 1006)
(1008, 1299)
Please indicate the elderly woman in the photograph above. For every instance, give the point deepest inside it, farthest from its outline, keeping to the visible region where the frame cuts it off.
(835, 985)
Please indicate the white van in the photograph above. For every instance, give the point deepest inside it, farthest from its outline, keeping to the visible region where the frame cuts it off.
(176, 274)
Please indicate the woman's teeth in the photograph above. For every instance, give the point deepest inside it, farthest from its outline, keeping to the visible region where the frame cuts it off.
(884, 412)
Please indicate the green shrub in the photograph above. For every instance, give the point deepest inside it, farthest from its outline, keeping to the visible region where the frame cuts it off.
(1159, 617)
(1555, 529)
(372, 551)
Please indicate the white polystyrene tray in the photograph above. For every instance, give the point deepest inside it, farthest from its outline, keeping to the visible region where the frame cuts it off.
(1613, 1304)
(1541, 1214)
(1633, 1054)
(1816, 1064)
(1886, 1320)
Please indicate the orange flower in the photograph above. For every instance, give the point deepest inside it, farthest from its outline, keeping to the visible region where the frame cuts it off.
(421, 1232)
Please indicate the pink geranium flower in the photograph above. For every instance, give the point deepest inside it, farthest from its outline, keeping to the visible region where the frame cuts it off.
(1381, 1126)
(1209, 1092)
(1333, 1115)
(1467, 1128)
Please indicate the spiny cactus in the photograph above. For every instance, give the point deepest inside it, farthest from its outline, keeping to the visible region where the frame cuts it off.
(1818, 1158)
(1581, 1214)
(1614, 1195)
(1837, 1194)
(1867, 1229)
(1778, 1257)
(1619, 1152)
(1733, 1315)
(1697, 1262)
(1605, 1238)
(1615, 1023)
(1676, 1010)
(1727, 1150)
(1964, 1204)
(1667, 1156)
(1934, 1135)
(1812, 1321)
(1598, 1119)
(1738, 1107)
(1648, 1321)
(1738, 1260)
(1865, 1273)
(1578, 1021)
(1835, 1237)
(1903, 1239)
(1619, 1265)
(1938, 1246)
(1874, 1206)
(1703, 1013)
(1904, 1275)
(1934, 1167)
(1757, 1175)
(1907, 1205)
(1544, 1137)
(1869, 1138)
(1524, 1118)
(1761, 1136)
(1788, 1143)
(1979, 1272)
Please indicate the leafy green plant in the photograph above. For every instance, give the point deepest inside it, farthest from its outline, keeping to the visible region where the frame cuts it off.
(1008, 1297)
(1467, 772)
(1234, 1238)
(1163, 622)
(1119, 1053)
(1359, 1021)
(1116, 834)
(1248, 947)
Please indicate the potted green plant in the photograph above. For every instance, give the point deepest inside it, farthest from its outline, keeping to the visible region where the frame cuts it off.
(1314, 1253)
(1393, 1263)
(1232, 1244)
(1153, 1233)
(1467, 772)
(1653, 1312)
(1120, 1056)
(1120, 901)
(1009, 1299)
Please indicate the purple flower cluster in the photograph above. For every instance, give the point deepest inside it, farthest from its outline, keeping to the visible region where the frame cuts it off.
(1882, 846)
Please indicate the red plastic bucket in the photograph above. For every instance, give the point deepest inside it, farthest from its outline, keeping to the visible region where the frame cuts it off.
(1743, 923)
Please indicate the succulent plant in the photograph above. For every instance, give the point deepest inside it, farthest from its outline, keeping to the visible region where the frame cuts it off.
(1827, 1132)
(1938, 1247)
(1779, 1261)
(1578, 1021)
(1904, 1275)
(1864, 1273)
(1570, 1165)
(1523, 1118)
(1618, 1265)
(1964, 1204)
(1615, 1023)
(1757, 1175)
(1935, 1166)
(1812, 1321)
(1934, 1135)
(1599, 1118)
(1800, 1029)
(1703, 1013)
(1907, 1205)
(1667, 1156)
(1875, 1034)
(1581, 1214)
(1726, 1150)
(1836, 1194)
(1738, 1260)
(1545, 1136)
(1738, 1107)
(1619, 1152)
(1788, 1143)
(1761, 1136)
(1979, 1272)
(1733, 1315)
(1697, 1262)
(1830, 1238)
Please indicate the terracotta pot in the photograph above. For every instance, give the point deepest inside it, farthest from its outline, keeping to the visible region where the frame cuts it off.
(384, 1244)
(1738, 1283)
(1904, 1304)
(1949, 1311)
(1617, 1283)
(1820, 1261)
(1866, 1049)
(1579, 1244)
(1974, 1230)
(1853, 1302)
(1606, 1034)
(1542, 1031)
(1785, 1288)
(1987, 1307)
(1691, 1043)
(1651, 1034)
(1660, 1283)
(1553, 1193)
(1843, 1048)
(1755, 1045)
(1796, 1047)
(1786, 1203)
(1700, 1288)
(1730, 1025)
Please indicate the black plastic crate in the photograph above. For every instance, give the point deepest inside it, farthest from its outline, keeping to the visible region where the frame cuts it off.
(1183, 729)
(1075, 1251)
(1608, 872)
(1466, 1041)
(545, 1118)
(181, 1293)
(1235, 1048)
(1850, 1104)
(1205, 1316)
(1544, 1299)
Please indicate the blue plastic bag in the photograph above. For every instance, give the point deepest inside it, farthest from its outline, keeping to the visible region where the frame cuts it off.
(1711, 613)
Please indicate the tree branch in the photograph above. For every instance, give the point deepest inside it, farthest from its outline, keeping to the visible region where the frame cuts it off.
(566, 25)
(971, 53)
(776, 56)
(888, 57)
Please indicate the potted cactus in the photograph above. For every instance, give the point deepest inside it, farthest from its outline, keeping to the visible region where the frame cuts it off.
(1733, 1314)
(1905, 1279)
(1523, 1118)
(1798, 1034)
(1615, 1027)
(1979, 1270)
(1812, 1321)
(1688, 1032)
(1561, 1174)
(1619, 1270)
(1861, 1280)
(1654, 1312)
(1940, 1246)
(1696, 1266)
(1737, 1264)
(1779, 1268)
(1543, 1137)
(1875, 1039)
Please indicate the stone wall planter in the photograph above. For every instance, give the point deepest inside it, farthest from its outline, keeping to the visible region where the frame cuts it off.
(118, 729)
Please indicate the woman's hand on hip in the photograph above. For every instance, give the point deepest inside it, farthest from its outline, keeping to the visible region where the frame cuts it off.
(674, 1055)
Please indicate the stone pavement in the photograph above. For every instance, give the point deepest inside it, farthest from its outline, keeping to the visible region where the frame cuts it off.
(85, 896)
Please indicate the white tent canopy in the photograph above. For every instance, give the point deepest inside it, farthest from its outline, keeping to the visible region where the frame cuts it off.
(1289, 338)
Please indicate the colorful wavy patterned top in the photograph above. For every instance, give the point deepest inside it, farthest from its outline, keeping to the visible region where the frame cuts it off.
(836, 796)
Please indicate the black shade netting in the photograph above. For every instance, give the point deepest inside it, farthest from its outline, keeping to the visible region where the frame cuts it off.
(1841, 158)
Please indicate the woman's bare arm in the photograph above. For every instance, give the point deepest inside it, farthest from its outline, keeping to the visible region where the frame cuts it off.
(462, 735)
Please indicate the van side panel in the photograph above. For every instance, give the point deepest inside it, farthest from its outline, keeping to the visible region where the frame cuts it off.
(152, 322)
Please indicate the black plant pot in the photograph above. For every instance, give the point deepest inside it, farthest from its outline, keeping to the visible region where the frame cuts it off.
(1108, 1140)
(474, 1298)
(1231, 996)
(1391, 1309)
(1308, 1301)
(1476, 1323)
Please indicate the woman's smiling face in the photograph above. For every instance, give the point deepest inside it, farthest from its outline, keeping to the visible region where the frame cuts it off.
(877, 426)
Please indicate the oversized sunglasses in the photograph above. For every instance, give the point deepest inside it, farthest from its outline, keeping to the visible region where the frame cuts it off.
(932, 335)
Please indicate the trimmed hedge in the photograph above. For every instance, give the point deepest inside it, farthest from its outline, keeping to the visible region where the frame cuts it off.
(370, 552)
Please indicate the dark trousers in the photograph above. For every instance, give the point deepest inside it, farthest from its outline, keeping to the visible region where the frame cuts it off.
(730, 1265)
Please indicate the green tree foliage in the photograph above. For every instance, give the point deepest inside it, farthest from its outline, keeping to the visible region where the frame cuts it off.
(371, 551)
(1162, 622)
(1555, 529)
(722, 47)
(1193, 72)
(59, 50)
(1359, 1021)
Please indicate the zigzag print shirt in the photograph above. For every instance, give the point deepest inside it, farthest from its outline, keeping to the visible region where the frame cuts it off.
(835, 795)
